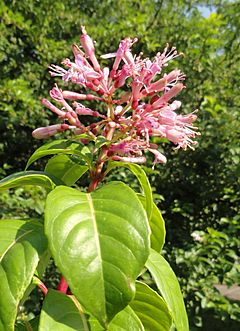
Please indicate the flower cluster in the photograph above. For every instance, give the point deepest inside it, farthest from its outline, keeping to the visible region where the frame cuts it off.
(132, 115)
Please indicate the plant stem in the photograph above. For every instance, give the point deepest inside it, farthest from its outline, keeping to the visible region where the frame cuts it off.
(63, 285)
(40, 284)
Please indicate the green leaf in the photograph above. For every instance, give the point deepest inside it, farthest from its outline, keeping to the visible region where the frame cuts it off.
(60, 313)
(100, 242)
(169, 288)
(101, 141)
(151, 309)
(124, 320)
(22, 178)
(142, 178)
(157, 225)
(63, 146)
(65, 168)
(21, 245)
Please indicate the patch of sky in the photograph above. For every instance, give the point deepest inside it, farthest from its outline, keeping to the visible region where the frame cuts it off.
(206, 11)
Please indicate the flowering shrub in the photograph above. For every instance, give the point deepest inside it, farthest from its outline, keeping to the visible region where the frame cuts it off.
(101, 241)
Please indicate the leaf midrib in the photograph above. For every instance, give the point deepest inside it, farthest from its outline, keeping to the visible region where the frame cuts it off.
(97, 241)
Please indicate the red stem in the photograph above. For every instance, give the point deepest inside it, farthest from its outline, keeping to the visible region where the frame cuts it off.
(63, 285)
(43, 288)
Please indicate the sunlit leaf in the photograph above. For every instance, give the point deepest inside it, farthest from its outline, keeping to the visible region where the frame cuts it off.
(38, 178)
(100, 240)
(157, 225)
(169, 288)
(21, 245)
(61, 314)
(65, 168)
(142, 178)
(151, 309)
(63, 146)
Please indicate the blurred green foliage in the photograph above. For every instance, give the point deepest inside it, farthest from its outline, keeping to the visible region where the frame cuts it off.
(197, 190)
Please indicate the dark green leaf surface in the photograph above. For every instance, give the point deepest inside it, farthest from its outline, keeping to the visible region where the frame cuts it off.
(151, 309)
(21, 245)
(22, 178)
(65, 168)
(63, 146)
(169, 288)
(157, 225)
(61, 314)
(100, 242)
(142, 178)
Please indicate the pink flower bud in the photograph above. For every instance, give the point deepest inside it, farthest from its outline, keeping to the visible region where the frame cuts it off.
(173, 75)
(88, 46)
(80, 110)
(53, 108)
(140, 159)
(157, 86)
(136, 87)
(189, 118)
(120, 78)
(168, 95)
(87, 42)
(48, 131)
(56, 93)
(175, 105)
(159, 157)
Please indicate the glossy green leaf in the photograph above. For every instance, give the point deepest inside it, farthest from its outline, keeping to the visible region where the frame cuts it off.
(60, 313)
(65, 168)
(157, 225)
(42, 265)
(151, 309)
(100, 242)
(21, 245)
(124, 320)
(142, 178)
(63, 146)
(169, 288)
(22, 178)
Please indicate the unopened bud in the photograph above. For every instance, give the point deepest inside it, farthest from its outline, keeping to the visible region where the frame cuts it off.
(88, 47)
(48, 131)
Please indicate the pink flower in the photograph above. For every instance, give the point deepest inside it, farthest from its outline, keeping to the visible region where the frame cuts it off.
(128, 118)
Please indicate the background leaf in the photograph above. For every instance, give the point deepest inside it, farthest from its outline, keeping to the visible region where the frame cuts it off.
(21, 245)
(169, 288)
(65, 168)
(151, 309)
(60, 313)
(100, 242)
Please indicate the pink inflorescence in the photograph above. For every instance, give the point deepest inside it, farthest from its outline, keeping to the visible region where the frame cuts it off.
(132, 115)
